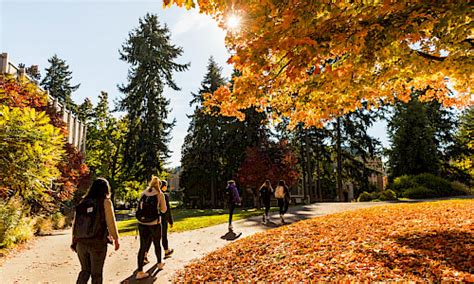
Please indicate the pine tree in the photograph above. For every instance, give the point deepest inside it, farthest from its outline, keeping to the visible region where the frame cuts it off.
(58, 82)
(152, 57)
(202, 145)
(413, 145)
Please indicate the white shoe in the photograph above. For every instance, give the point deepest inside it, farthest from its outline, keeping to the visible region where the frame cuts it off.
(160, 265)
(141, 275)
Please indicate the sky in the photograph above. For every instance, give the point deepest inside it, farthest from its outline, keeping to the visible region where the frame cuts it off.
(88, 35)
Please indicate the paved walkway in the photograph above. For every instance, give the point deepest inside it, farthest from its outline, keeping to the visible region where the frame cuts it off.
(49, 259)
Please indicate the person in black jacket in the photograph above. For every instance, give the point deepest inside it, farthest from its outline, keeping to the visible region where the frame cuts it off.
(266, 192)
(166, 218)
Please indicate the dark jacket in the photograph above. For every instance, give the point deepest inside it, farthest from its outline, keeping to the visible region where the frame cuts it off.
(234, 196)
(167, 215)
(265, 193)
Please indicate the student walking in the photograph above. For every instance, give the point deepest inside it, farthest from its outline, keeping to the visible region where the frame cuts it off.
(234, 199)
(266, 192)
(94, 221)
(152, 203)
(166, 219)
(282, 194)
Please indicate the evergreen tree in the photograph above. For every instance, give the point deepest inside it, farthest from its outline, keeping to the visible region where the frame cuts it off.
(85, 111)
(412, 136)
(58, 82)
(202, 144)
(463, 149)
(152, 57)
(215, 141)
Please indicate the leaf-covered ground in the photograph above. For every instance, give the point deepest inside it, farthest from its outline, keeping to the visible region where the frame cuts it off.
(420, 241)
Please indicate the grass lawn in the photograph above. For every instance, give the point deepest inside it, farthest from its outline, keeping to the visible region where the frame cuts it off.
(190, 219)
(418, 242)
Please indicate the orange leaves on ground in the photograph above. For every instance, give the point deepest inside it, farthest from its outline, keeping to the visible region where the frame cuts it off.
(410, 242)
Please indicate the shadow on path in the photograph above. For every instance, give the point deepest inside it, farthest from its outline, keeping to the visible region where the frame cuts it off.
(230, 236)
(153, 272)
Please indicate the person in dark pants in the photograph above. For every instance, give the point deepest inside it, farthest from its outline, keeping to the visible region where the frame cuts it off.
(92, 251)
(166, 218)
(282, 194)
(234, 199)
(150, 231)
(266, 192)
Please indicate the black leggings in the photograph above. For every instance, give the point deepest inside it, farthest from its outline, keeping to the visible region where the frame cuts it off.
(266, 204)
(164, 233)
(92, 257)
(149, 234)
(231, 212)
(283, 204)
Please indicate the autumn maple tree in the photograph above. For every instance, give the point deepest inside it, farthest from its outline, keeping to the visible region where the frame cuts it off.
(311, 61)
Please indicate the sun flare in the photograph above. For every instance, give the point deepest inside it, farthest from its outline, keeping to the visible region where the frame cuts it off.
(233, 22)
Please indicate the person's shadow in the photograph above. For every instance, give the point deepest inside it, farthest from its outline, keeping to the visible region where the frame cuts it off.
(231, 235)
(153, 271)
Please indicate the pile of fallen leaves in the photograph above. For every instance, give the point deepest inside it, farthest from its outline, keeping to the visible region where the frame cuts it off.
(417, 242)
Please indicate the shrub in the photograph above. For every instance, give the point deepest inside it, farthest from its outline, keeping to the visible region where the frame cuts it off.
(364, 196)
(14, 226)
(58, 220)
(374, 195)
(388, 195)
(43, 225)
(401, 183)
(437, 184)
(461, 188)
(419, 192)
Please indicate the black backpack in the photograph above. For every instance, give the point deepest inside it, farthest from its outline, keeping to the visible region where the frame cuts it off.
(89, 222)
(147, 210)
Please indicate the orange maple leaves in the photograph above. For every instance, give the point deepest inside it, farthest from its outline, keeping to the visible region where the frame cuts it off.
(408, 242)
(311, 61)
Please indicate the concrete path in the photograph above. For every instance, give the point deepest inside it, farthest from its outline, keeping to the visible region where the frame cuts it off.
(49, 259)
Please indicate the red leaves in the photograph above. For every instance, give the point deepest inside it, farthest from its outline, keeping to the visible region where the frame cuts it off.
(416, 242)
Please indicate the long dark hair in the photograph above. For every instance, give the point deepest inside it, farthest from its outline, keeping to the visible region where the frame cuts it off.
(282, 183)
(100, 189)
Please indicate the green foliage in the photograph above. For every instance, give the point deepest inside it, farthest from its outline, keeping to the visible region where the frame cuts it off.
(462, 188)
(15, 227)
(105, 141)
(463, 148)
(419, 192)
(152, 57)
(387, 195)
(364, 196)
(30, 149)
(427, 185)
(130, 191)
(58, 81)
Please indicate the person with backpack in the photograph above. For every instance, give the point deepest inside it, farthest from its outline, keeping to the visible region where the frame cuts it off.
(234, 199)
(282, 194)
(94, 221)
(152, 203)
(166, 218)
(266, 192)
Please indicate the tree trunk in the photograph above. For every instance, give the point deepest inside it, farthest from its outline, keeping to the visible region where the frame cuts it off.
(339, 161)
(318, 172)
(303, 165)
(309, 168)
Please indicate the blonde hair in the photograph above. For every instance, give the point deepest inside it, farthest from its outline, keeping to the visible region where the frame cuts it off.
(154, 183)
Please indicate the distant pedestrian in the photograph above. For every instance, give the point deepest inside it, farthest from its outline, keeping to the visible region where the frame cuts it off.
(94, 221)
(282, 194)
(266, 192)
(152, 203)
(234, 200)
(166, 218)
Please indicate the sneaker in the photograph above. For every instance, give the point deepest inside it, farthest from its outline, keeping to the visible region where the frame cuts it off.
(160, 266)
(141, 275)
(145, 261)
(168, 252)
